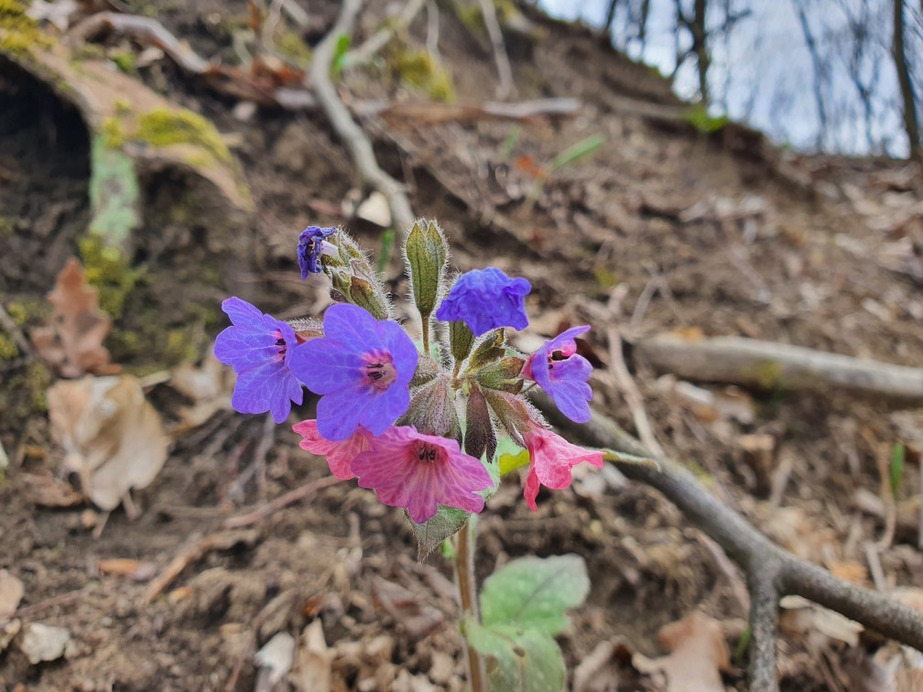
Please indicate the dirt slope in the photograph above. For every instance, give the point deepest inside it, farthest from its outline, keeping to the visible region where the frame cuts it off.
(739, 238)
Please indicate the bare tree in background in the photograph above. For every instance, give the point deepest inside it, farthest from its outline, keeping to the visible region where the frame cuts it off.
(909, 111)
(696, 24)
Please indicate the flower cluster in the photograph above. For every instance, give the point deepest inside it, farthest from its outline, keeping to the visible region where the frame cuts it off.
(421, 435)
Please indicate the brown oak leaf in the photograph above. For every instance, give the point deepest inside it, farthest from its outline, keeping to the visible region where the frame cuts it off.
(73, 343)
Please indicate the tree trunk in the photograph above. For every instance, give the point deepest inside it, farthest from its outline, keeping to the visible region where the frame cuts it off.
(700, 46)
(911, 124)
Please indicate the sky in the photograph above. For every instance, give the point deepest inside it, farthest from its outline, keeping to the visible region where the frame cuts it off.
(763, 74)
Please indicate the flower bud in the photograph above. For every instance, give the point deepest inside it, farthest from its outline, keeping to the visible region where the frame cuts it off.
(488, 351)
(426, 252)
(432, 410)
(479, 430)
(502, 374)
(461, 339)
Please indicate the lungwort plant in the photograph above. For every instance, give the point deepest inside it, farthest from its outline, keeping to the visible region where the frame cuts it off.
(432, 425)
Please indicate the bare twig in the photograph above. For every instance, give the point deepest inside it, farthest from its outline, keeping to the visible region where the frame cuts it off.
(281, 502)
(505, 88)
(192, 552)
(54, 601)
(630, 391)
(772, 571)
(360, 148)
(749, 362)
(380, 38)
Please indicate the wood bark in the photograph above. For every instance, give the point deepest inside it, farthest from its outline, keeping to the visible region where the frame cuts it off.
(768, 365)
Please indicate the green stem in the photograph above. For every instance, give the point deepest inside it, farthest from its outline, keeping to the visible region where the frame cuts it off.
(426, 334)
(467, 588)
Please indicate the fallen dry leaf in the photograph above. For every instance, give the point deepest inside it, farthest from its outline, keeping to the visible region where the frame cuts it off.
(209, 387)
(410, 615)
(73, 343)
(698, 654)
(11, 592)
(113, 437)
(313, 670)
(804, 618)
(45, 490)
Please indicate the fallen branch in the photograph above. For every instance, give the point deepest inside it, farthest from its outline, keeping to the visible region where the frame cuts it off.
(768, 365)
(360, 148)
(772, 572)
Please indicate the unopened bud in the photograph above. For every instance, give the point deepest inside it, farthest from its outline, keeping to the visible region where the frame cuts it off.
(502, 374)
(432, 410)
(426, 252)
(480, 437)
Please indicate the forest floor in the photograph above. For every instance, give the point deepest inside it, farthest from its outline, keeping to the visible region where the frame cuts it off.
(665, 228)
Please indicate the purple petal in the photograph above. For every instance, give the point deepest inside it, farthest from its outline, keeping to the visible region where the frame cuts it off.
(338, 414)
(326, 366)
(352, 325)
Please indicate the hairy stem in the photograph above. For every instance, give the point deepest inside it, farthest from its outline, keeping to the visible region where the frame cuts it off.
(467, 589)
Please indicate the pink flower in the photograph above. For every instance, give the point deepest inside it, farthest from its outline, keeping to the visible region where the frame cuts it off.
(419, 472)
(339, 455)
(551, 459)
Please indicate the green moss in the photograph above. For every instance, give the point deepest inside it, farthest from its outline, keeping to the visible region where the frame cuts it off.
(112, 133)
(31, 310)
(126, 61)
(38, 380)
(8, 348)
(19, 33)
(178, 347)
(7, 227)
(108, 269)
(419, 69)
(292, 46)
(767, 374)
(163, 127)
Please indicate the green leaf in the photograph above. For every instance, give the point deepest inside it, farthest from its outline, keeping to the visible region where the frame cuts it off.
(384, 253)
(533, 593)
(511, 456)
(896, 468)
(339, 55)
(575, 152)
(427, 252)
(113, 193)
(517, 659)
(447, 522)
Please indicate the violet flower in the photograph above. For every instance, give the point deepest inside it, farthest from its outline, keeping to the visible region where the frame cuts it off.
(311, 247)
(486, 299)
(339, 455)
(260, 349)
(563, 374)
(551, 459)
(362, 369)
(420, 472)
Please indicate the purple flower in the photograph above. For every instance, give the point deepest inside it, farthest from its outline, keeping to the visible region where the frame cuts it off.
(420, 472)
(260, 349)
(311, 247)
(361, 368)
(563, 374)
(485, 299)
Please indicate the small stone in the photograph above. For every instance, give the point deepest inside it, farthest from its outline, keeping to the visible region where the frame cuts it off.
(42, 642)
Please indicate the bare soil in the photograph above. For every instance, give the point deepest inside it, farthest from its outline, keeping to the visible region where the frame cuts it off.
(742, 239)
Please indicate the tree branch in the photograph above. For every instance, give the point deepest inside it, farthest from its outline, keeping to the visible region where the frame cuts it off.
(359, 146)
(772, 571)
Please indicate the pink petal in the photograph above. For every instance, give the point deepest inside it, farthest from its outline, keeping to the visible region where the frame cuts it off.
(340, 455)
